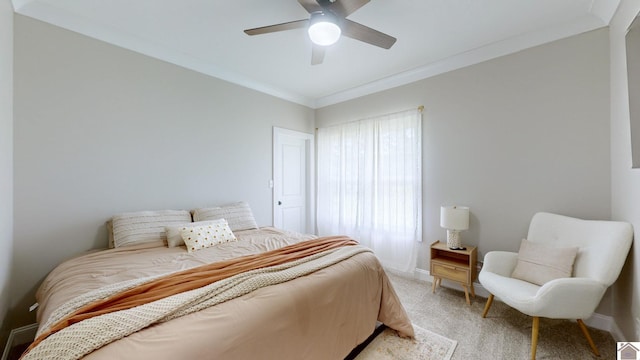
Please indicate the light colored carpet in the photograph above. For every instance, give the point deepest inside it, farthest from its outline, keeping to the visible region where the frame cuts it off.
(504, 334)
(427, 345)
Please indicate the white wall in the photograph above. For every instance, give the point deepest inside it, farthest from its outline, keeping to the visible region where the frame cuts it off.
(6, 160)
(101, 130)
(509, 137)
(625, 182)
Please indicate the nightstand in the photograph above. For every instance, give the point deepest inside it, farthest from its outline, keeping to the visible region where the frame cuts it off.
(454, 265)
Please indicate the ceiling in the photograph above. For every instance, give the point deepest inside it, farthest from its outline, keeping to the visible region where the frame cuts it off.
(434, 36)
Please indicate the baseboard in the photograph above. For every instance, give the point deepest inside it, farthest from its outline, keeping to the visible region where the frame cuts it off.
(600, 322)
(596, 321)
(418, 274)
(19, 336)
(617, 333)
(422, 275)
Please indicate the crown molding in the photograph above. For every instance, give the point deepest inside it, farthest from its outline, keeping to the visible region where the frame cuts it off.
(55, 16)
(601, 13)
(604, 9)
(491, 51)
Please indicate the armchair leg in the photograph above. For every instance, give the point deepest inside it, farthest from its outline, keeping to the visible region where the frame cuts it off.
(585, 331)
(534, 336)
(487, 305)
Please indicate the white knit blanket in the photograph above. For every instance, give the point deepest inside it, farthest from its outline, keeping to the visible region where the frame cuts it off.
(77, 340)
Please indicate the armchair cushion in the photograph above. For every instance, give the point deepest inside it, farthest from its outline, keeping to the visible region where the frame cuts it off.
(566, 298)
(539, 263)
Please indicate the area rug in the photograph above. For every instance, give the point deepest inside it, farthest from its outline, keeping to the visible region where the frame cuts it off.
(426, 346)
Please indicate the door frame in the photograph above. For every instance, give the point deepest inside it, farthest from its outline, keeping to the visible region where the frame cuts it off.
(309, 174)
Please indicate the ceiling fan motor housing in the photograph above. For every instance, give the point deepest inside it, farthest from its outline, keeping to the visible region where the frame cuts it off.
(324, 28)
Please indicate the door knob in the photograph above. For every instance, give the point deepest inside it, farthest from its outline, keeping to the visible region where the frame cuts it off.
(279, 202)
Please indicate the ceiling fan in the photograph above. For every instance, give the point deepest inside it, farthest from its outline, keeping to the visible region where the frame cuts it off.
(327, 21)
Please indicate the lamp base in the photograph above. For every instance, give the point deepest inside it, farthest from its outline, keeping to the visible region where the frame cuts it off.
(453, 239)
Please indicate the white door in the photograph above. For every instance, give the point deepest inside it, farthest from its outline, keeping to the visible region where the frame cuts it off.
(293, 180)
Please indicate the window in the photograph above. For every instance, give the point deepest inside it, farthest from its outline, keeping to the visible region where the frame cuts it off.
(370, 185)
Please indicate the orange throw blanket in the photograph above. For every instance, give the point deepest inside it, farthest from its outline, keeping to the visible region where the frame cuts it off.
(195, 278)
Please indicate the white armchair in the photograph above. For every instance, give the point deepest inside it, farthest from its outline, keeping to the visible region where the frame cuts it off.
(602, 249)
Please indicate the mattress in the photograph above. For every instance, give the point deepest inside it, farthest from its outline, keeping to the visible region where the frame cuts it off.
(321, 315)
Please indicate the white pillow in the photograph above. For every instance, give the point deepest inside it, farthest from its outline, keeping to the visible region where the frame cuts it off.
(539, 263)
(198, 237)
(174, 232)
(145, 226)
(238, 215)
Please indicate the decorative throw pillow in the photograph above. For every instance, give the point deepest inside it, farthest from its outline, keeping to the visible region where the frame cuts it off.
(145, 226)
(174, 232)
(238, 215)
(540, 263)
(203, 236)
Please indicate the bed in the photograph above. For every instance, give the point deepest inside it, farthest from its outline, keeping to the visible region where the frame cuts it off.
(317, 309)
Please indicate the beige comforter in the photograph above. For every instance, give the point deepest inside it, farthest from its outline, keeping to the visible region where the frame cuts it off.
(319, 316)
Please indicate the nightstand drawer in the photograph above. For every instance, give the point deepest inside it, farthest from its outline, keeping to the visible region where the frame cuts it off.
(450, 272)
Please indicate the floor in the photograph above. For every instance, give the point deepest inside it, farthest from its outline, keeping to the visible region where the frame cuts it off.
(504, 334)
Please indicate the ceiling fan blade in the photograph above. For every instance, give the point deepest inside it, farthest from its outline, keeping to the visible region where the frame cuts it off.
(366, 34)
(344, 8)
(317, 54)
(278, 27)
(310, 5)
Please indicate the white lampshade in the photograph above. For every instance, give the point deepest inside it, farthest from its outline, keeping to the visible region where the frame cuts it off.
(454, 217)
(323, 29)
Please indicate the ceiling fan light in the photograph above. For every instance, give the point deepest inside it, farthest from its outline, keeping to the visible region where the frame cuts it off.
(323, 29)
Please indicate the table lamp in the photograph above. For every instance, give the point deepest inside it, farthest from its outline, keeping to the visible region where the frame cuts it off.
(454, 219)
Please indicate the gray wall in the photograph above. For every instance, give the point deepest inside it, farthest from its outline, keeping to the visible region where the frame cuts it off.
(523, 133)
(625, 182)
(6, 160)
(101, 130)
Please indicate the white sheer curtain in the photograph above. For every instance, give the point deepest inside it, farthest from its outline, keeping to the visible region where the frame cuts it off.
(370, 185)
